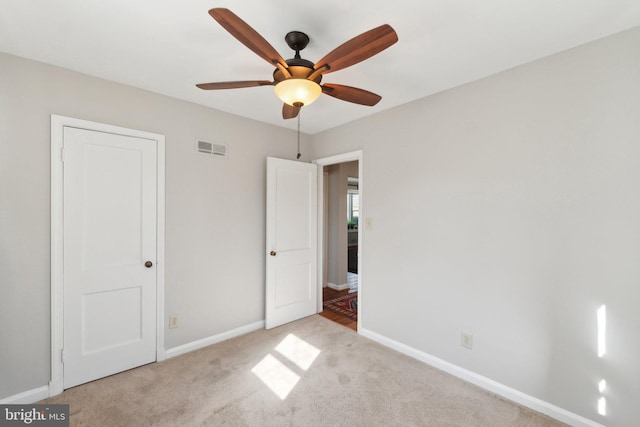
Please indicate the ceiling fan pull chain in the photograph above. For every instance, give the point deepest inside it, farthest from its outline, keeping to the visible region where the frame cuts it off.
(299, 155)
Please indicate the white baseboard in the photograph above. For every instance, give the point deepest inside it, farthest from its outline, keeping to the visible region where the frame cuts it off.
(214, 339)
(484, 382)
(337, 287)
(27, 397)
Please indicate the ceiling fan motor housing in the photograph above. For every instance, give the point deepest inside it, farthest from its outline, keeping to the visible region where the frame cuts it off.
(298, 67)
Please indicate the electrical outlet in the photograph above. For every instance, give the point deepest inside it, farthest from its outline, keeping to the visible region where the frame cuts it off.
(466, 340)
(173, 322)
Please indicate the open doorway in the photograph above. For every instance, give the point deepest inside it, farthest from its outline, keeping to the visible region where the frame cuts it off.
(341, 213)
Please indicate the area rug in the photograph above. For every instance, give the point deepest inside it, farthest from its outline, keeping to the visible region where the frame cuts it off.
(347, 305)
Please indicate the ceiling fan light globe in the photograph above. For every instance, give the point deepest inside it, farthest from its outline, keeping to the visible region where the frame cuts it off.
(303, 91)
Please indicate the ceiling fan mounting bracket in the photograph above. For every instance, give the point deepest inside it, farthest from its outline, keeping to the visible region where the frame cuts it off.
(297, 40)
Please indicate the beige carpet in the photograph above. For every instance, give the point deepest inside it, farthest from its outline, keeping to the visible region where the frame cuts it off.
(312, 372)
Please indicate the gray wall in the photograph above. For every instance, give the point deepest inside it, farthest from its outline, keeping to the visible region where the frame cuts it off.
(510, 208)
(214, 208)
(507, 207)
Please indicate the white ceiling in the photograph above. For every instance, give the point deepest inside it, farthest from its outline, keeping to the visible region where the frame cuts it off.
(166, 46)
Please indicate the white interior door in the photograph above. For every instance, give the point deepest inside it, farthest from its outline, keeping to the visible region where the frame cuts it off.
(292, 228)
(109, 232)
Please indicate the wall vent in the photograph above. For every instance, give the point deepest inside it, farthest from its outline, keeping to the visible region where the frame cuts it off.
(211, 149)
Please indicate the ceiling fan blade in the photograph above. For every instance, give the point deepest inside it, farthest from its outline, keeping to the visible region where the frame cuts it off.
(290, 111)
(247, 35)
(358, 49)
(234, 85)
(351, 94)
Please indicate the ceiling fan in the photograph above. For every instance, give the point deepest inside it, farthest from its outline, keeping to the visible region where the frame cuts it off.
(297, 80)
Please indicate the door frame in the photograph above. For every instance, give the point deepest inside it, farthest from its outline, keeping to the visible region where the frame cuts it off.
(58, 123)
(327, 161)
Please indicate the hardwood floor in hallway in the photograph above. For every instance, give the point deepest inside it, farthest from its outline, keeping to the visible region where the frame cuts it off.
(328, 294)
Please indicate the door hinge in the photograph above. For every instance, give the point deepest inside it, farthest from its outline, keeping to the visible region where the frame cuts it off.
(62, 156)
(62, 355)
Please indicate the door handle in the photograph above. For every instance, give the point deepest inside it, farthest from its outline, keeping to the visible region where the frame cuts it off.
(272, 253)
(148, 264)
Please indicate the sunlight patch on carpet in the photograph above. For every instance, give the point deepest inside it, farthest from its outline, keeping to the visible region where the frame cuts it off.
(276, 375)
(298, 351)
(280, 379)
